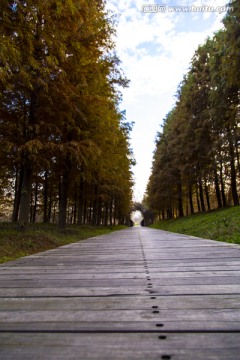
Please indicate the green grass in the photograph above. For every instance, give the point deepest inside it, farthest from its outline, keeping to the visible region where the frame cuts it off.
(41, 237)
(221, 225)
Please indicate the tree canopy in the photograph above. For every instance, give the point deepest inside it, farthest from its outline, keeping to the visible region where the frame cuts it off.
(196, 163)
(64, 153)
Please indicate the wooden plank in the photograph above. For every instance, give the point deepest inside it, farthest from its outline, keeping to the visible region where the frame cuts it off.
(120, 346)
(72, 291)
(125, 259)
(120, 315)
(147, 326)
(180, 302)
(113, 296)
(26, 283)
(195, 274)
(119, 291)
(111, 269)
(207, 280)
(117, 283)
(88, 270)
(73, 276)
(196, 289)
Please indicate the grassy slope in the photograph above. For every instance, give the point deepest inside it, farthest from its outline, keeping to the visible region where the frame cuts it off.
(41, 237)
(221, 225)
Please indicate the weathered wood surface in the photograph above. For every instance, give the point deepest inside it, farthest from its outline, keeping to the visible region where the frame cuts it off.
(138, 293)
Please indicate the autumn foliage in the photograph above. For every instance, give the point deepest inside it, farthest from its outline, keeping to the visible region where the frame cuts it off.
(64, 151)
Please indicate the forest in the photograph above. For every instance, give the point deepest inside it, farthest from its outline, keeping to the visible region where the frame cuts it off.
(196, 162)
(65, 155)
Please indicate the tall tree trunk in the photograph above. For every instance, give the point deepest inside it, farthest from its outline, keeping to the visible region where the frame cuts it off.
(95, 205)
(85, 212)
(201, 195)
(54, 213)
(198, 201)
(190, 196)
(75, 208)
(99, 212)
(63, 198)
(17, 195)
(24, 208)
(237, 152)
(90, 212)
(50, 204)
(224, 201)
(217, 189)
(45, 198)
(106, 215)
(233, 174)
(111, 212)
(71, 214)
(115, 212)
(169, 210)
(80, 210)
(31, 207)
(207, 194)
(180, 199)
(163, 215)
(34, 212)
(80, 204)
(187, 211)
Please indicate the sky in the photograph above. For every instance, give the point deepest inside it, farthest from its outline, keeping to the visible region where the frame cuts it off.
(155, 45)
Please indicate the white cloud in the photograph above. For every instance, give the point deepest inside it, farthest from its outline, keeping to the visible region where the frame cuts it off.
(155, 55)
(164, 70)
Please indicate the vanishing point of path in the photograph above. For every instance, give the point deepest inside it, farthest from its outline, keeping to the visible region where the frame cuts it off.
(137, 293)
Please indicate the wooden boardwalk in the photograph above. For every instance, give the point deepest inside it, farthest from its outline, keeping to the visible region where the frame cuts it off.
(137, 293)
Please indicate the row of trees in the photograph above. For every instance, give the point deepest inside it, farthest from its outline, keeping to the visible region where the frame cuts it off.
(64, 144)
(196, 165)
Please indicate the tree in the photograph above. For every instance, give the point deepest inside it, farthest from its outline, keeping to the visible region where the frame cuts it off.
(59, 103)
(197, 152)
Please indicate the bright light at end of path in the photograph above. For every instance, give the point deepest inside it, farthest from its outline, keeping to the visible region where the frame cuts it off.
(136, 217)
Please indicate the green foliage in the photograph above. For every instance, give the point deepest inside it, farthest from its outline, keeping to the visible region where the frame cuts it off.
(196, 164)
(221, 225)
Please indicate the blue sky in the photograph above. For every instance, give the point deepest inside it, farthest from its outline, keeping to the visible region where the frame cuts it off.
(156, 50)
